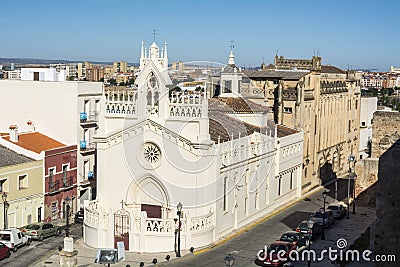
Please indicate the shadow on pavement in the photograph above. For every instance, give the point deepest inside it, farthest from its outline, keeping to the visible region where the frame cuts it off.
(295, 218)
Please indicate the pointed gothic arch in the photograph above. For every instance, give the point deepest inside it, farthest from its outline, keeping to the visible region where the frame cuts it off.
(151, 194)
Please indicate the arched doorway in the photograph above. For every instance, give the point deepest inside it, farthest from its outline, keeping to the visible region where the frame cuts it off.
(151, 195)
(121, 227)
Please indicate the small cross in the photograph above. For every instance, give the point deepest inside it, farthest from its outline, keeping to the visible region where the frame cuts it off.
(122, 203)
(154, 35)
(232, 46)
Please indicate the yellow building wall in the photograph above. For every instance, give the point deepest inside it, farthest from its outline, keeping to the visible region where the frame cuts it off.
(24, 202)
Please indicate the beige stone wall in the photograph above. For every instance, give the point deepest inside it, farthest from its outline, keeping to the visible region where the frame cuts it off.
(367, 174)
(385, 131)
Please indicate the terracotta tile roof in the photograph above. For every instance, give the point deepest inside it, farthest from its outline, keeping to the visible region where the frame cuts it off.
(223, 126)
(35, 142)
(285, 131)
(9, 157)
(235, 105)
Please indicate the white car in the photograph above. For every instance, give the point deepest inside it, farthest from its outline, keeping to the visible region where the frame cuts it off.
(13, 238)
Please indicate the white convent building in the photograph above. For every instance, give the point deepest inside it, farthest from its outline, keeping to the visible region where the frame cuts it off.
(222, 158)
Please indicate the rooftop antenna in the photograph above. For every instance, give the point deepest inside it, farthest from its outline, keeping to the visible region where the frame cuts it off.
(277, 50)
(317, 53)
(314, 52)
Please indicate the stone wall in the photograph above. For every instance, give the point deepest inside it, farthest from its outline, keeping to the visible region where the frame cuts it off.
(387, 234)
(385, 131)
(367, 174)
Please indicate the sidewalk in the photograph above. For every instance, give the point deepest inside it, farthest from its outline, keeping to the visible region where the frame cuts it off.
(87, 255)
(349, 230)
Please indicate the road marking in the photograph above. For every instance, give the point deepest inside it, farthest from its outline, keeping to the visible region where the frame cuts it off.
(257, 222)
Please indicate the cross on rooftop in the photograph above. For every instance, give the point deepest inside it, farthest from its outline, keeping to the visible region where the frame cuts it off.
(154, 35)
(232, 46)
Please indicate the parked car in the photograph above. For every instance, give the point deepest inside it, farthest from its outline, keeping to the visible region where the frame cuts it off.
(4, 251)
(79, 216)
(40, 231)
(319, 218)
(13, 238)
(310, 229)
(270, 257)
(338, 210)
(296, 238)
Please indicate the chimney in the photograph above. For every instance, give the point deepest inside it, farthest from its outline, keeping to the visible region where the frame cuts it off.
(31, 126)
(14, 133)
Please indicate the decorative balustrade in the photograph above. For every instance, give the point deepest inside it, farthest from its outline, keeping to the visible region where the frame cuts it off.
(202, 223)
(186, 104)
(163, 225)
(92, 214)
(185, 111)
(121, 101)
(192, 98)
(243, 149)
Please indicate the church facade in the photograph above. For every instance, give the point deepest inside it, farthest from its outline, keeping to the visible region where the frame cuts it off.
(222, 158)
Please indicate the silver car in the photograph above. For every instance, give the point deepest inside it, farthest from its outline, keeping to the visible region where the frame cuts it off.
(40, 231)
(338, 210)
(319, 218)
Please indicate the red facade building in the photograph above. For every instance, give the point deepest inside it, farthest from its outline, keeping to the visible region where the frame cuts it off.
(60, 176)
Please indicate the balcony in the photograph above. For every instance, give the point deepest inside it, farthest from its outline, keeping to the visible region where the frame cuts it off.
(54, 186)
(88, 119)
(68, 182)
(86, 147)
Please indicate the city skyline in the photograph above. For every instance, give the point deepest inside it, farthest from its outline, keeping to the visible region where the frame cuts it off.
(348, 34)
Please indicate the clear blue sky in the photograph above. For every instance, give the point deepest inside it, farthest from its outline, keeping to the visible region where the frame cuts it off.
(363, 34)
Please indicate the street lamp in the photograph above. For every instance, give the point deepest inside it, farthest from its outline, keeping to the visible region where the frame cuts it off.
(352, 158)
(229, 260)
(179, 213)
(324, 195)
(309, 244)
(6, 205)
(67, 201)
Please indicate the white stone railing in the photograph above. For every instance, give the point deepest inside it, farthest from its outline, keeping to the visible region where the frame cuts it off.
(192, 98)
(92, 214)
(121, 101)
(243, 148)
(202, 223)
(185, 111)
(163, 225)
(186, 104)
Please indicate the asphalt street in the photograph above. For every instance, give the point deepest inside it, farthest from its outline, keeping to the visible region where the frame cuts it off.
(27, 255)
(245, 246)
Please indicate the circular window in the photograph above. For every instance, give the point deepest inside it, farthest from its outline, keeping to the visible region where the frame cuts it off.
(151, 152)
(149, 155)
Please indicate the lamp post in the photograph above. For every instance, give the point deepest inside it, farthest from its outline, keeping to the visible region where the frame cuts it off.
(309, 245)
(6, 205)
(352, 158)
(67, 201)
(179, 213)
(324, 195)
(354, 188)
(229, 260)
